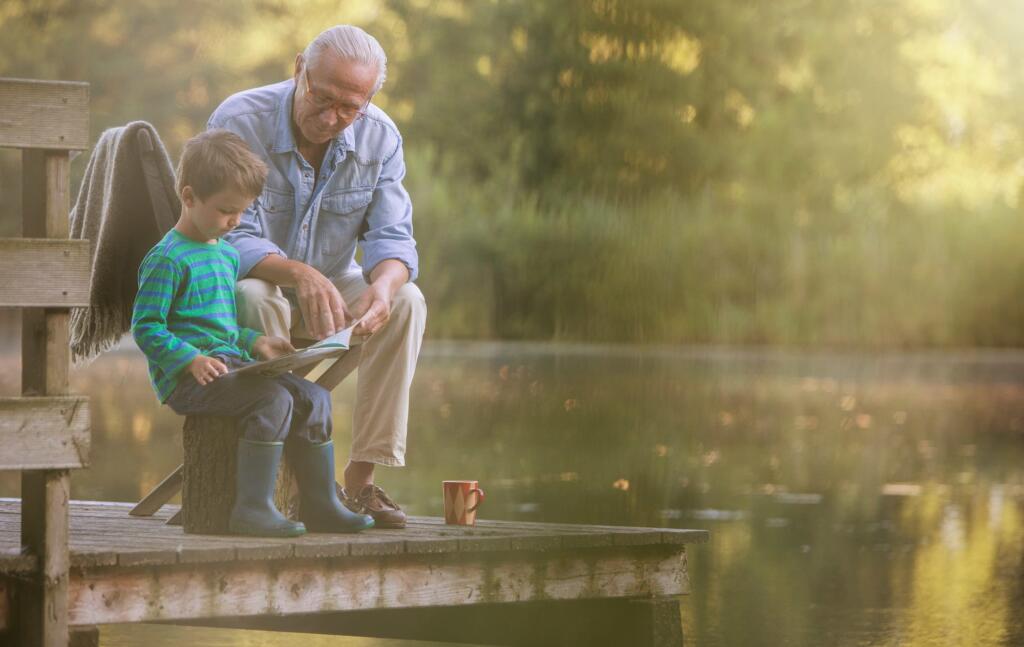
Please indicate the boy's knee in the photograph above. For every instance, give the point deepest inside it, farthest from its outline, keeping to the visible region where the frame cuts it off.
(313, 420)
(277, 402)
(270, 417)
(318, 396)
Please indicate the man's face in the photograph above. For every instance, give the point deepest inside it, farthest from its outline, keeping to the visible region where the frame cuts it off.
(329, 95)
(217, 214)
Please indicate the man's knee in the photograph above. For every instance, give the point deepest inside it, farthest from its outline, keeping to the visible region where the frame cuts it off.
(256, 292)
(409, 303)
(262, 306)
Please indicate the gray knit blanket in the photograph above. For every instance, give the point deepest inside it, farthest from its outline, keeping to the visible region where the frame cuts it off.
(124, 213)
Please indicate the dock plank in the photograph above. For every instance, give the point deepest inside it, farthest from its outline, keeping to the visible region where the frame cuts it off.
(310, 586)
(138, 569)
(104, 534)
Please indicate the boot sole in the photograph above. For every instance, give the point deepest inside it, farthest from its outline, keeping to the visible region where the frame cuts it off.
(266, 532)
(346, 531)
(383, 525)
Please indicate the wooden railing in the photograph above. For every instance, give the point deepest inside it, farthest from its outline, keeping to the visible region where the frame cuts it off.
(44, 433)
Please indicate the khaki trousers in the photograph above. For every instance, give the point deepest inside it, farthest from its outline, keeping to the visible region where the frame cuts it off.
(387, 360)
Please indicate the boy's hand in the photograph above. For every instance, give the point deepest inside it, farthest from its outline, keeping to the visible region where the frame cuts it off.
(206, 369)
(266, 347)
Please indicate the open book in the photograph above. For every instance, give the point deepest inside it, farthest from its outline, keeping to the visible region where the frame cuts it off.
(332, 346)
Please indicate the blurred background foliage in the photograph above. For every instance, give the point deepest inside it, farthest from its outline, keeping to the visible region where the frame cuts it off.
(801, 172)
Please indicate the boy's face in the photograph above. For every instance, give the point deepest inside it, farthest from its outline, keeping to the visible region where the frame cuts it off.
(217, 214)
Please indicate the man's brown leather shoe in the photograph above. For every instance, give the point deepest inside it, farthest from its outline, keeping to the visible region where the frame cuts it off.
(372, 500)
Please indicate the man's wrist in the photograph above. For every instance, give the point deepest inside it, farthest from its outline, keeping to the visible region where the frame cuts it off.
(280, 271)
(390, 274)
(296, 272)
(387, 279)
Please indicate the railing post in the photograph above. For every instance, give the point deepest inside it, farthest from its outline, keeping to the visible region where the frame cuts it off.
(45, 357)
(45, 436)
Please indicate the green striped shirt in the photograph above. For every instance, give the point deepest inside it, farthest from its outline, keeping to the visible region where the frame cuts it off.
(186, 306)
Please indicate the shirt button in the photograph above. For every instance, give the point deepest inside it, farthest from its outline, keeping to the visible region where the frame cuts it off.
(305, 227)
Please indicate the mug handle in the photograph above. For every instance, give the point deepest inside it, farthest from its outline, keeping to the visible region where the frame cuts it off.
(479, 498)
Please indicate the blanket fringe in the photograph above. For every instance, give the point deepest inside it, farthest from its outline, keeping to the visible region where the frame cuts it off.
(96, 330)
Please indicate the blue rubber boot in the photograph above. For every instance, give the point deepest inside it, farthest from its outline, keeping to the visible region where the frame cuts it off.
(254, 512)
(319, 507)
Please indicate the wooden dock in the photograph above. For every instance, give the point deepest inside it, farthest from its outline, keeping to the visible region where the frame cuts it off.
(569, 580)
(67, 566)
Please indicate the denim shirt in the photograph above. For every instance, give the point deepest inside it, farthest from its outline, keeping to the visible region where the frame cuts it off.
(358, 196)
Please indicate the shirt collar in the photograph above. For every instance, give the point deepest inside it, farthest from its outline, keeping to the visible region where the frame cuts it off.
(284, 139)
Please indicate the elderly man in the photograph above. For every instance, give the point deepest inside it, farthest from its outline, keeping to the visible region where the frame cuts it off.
(336, 169)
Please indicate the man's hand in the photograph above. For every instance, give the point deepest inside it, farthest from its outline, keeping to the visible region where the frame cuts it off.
(267, 347)
(323, 308)
(321, 304)
(206, 369)
(372, 309)
(374, 305)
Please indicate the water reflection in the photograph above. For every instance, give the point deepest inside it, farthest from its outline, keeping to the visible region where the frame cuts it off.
(852, 500)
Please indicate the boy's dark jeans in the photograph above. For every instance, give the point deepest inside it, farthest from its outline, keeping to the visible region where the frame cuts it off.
(267, 408)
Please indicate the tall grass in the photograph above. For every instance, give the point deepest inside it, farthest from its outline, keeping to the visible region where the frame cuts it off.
(502, 262)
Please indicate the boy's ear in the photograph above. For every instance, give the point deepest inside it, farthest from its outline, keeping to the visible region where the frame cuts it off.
(188, 196)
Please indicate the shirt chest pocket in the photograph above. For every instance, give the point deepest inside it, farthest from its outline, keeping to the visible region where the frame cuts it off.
(341, 219)
(278, 210)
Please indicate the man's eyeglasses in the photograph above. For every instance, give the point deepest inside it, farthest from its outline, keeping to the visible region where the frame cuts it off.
(346, 111)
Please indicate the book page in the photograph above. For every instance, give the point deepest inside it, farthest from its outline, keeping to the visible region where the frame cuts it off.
(341, 339)
(332, 346)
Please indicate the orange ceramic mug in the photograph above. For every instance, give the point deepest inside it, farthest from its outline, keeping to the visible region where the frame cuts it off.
(461, 499)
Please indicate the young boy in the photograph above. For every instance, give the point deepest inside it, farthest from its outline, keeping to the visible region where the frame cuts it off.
(185, 322)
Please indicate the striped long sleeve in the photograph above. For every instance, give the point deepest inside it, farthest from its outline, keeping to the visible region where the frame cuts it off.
(247, 337)
(186, 306)
(159, 281)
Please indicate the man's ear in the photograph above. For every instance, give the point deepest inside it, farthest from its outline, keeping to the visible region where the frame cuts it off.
(188, 196)
(299, 62)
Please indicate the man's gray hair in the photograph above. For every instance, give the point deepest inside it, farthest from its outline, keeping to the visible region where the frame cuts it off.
(350, 43)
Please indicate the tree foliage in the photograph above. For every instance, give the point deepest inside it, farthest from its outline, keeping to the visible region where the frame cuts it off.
(798, 171)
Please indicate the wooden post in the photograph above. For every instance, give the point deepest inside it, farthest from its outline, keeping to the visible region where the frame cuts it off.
(46, 119)
(210, 452)
(45, 358)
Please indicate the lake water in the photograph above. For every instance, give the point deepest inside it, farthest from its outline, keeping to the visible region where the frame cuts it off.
(852, 500)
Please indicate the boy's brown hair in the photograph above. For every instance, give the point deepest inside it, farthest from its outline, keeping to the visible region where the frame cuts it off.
(216, 160)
